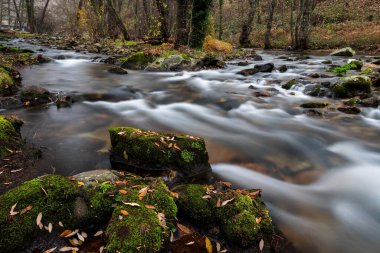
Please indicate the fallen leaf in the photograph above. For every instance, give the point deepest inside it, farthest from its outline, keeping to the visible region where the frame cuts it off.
(176, 147)
(206, 197)
(170, 145)
(125, 155)
(174, 194)
(12, 211)
(14, 171)
(60, 224)
(100, 232)
(218, 203)
(50, 227)
(223, 251)
(84, 234)
(184, 229)
(74, 242)
(227, 184)
(50, 250)
(190, 243)
(162, 219)
(258, 220)
(41, 226)
(123, 191)
(80, 237)
(72, 233)
(121, 133)
(218, 247)
(171, 237)
(39, 218)
(80, 184)
(150, 207)
(65, 249)
(120, 217)
(261, 245)
(209, 247)
(124, 212)
(65, 233)
(131, 204)
(101, 249)
(227, 201)
(143, 192)
(158, 145)
(26, 209)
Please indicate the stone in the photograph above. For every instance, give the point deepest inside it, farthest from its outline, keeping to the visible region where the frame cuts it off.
(118, 70)
(347, 52)
(283, 68)
(352, 86)
(349, 110)
(170, 63)
(35, 95)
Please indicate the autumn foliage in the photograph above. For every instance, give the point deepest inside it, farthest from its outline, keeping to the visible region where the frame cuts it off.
(212, 45)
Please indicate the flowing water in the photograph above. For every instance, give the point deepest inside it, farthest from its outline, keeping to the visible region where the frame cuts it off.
(320, 176)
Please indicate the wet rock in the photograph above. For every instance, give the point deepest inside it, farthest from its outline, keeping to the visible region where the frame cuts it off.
(347, 52)
(170, 63)
(137, 61)
(257, 57)
(353, 86)
(376, 62)
(327, 62)
(315, 75)
(159, 153)
(110, 60)
(35, 95)
(312, 90)
(326, 84)
(375, 81)
(258, 68)
(42, 59)
(315, 104)
(248, 72)
(262, 93)
(243, 63)
(313, 113)
(94, 177)
(63, 101)
(370, 102)
(349, 110)
(118, 70)
(10, 103)
(252, 87)
(283, 68)
(288, 85)
(235, 212)
(210, 62)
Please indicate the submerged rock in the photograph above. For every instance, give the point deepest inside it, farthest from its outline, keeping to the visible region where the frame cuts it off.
(241, 215)
(35, 95)
(370, 102)
(151, 152)
(349, 110)
(283, 68)
(347, 51)
(353, 86)
(312, 90)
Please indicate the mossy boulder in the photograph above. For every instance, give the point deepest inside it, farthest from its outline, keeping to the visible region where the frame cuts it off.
(170, 63)
(315, 104)
(347, 52)
(142, 220)
(353, 86)
(266, 68)
(35, 95)
(7, 84)
(9, 135)
(210, 62)
(240, 214)
(137, 61)
(151, 152)
(288, 85)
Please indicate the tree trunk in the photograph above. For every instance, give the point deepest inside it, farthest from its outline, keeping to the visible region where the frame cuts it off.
(163, 10)
(302, 31)
(221, 3)
(44, 13)
(181, 33)
(272, 7)
(9, 14)
(30, 15)
(1, 13)
(291, 25)
(247, 25)
(18, 20)
(199, 22)
(118, 20)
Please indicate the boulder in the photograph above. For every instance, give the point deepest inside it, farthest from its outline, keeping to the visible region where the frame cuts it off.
(7, 84)
(312, 90)
(210, 62)
(42, 59)
(35, 95)
(315, 104)
(353, 86)
(137, 61)
(283, 68)
(288, 85)
(118, 70)
(9, 135)
(349, 109)
(171, 63)
(241, 214)
(370, 102)
(347, 52)
(268, 67)
(159, 153)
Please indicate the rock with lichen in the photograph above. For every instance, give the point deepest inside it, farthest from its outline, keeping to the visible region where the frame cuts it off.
(7, 84)
(353, 86)
(175, 155)
(35, 95)
(347, 52)
(10, 137)
(137, 61)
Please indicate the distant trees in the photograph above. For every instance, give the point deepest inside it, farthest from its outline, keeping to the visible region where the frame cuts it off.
(303, 23)
(244, 39)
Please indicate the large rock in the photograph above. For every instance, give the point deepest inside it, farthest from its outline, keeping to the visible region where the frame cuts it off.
(151, 152)
(118, 70)
(35, 95)
(171, 63)
(347, 52)
(268, 67)
(9, 135)
(7, 85)
(353, 86)
(241, 215)
(137, 61)
(210, 62)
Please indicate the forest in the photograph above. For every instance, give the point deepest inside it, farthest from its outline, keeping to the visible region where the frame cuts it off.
(189, 126)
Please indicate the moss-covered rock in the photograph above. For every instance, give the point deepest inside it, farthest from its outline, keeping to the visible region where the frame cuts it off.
(141, 221)
(10, 137)
(35, 95)
(353, 86)
(170, 63)
(137, 61)
(315, 104)
(288, 85)
(145, 151)
(241, 215)
(347, 52)
(351, 65)
(7, 85)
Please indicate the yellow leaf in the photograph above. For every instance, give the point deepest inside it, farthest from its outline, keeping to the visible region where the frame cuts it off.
(209, 247)
(124, 212)
(150, 207)
(227, 201)
(258, 220)
(39, 218)
(80, 184)
(50, 250)
(65, 233)
(143, 192)
(174, 194)
(123, 191)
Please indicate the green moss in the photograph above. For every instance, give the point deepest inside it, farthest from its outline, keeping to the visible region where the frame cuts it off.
(366, 72)
(122, 43)
(353, 65)
(187, 156)
(315, 105)
(7, 133)
(140, 231)
(6, 83)
(289, 84)
(353, 86)
(186, 57)
(137, 60)
(327, 62)
(340, 91)
(100, 202)
(53, 196)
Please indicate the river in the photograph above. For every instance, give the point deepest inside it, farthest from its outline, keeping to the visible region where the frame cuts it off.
(320, 176)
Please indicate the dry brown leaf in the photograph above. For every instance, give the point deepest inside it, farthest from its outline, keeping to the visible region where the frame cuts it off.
(131, 204)
(50, 250)
(206, 197)
(125, 155)
(101, 249)
(26, 209)
(190, 243)
(209, 247)
(162, 219)
(74, 242)
(60, 224)
(124, 212)
(99, 233)
(227, 184)
(14, 171)
(184, 229)
(84, 234)
(170, 145)
(218, 203)
(65, 233)
(12, 211)
(72, 233)
(174, 194)
(258, 220)
(80, 237)
(218, 247)
(123, 191)
(261, 245)
(150, 207)
(171, 237)
(227, 201)
(39, 218)
(66, 249)
(176, 147)
(41, 226)
(223, 251)
(50, 227)
(143, 192)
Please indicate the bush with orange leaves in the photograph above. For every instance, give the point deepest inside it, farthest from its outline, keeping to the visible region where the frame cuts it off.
(212, 45)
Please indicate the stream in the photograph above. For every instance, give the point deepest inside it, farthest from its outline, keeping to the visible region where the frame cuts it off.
(320, 176)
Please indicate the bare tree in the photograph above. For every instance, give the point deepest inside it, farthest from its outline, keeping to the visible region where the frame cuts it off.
(163, 10)
(221, 3)
(30, 15)
(302, 31)
(119, 22)
(247, 25)
(181, 35)
(272, 7)
(44, 13)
